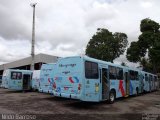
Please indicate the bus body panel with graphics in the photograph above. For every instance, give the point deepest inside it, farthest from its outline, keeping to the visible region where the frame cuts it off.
(46, 78)
(89, 79)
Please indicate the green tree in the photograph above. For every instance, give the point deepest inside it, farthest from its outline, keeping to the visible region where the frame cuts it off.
(106, 46)
(154, 56)
(133, 52)
(149, 25)
(147, 44)
(145, 63)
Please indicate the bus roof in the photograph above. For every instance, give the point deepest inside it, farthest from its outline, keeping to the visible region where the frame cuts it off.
(100, 61)
(104, 62)
(18, 70)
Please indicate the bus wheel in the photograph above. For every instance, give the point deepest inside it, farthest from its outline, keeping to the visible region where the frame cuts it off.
(112, 97)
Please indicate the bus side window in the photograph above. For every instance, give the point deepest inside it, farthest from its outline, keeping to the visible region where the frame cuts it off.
(119, 73)
(91, 70)
(112, 72)
(131, 74)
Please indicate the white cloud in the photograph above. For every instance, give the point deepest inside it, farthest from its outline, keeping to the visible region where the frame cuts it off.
(100, 12)
(63, 28)
(13, 50)
(146, 4)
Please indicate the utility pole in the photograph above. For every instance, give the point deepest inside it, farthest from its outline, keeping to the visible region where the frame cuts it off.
(33, 37)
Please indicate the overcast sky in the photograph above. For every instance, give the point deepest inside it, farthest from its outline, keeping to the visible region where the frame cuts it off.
(64, 27)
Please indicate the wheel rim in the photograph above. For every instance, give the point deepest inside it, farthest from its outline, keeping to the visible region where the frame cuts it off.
(111, 97)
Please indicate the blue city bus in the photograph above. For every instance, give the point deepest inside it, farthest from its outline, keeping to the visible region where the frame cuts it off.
(46, 78)
(18, 79)
(150, 82)
(93, 80)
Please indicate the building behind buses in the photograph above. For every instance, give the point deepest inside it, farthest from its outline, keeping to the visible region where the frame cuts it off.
(24, 64)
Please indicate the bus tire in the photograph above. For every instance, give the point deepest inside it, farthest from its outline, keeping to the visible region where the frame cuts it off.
(112, 97)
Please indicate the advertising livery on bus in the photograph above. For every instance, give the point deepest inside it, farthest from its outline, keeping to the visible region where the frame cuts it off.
(46, 78)
(89, 79)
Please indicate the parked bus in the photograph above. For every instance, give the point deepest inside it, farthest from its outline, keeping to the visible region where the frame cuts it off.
(18, 79)
(89, 79)
(35, 79)
(46, 78)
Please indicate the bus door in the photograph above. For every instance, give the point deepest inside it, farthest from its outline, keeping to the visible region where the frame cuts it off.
(26, 81)
(127, 84)
(105, 84)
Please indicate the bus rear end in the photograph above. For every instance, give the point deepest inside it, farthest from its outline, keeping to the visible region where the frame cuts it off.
(15, 80)
(46, 78)
(68, 77)
(19, 80)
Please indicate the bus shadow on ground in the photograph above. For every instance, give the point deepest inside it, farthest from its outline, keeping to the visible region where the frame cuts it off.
(87, 105)
(76, 104)
(11, 92)
(124, 99)
(56, 99)
(67, 102)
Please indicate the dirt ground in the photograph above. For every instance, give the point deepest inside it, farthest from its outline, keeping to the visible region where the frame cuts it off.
(47, 107)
